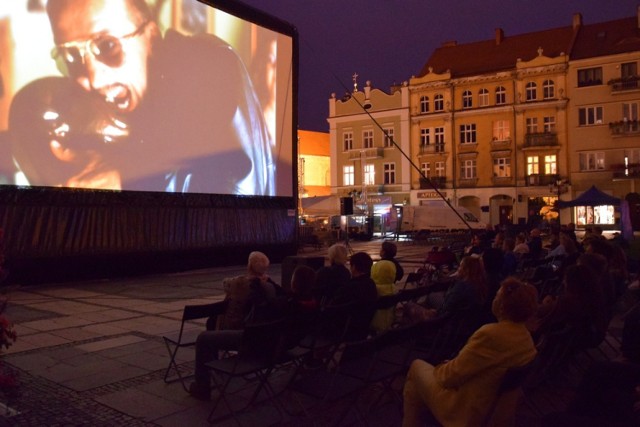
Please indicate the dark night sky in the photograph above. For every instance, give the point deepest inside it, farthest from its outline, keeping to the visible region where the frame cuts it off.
(387, 41)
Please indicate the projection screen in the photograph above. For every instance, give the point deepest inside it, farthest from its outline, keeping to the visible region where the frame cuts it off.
(191, 98)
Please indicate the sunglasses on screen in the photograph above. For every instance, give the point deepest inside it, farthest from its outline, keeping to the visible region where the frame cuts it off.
(106, 48)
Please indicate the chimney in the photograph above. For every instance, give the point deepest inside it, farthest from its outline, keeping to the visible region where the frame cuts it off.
(499, 36)
(577, 20)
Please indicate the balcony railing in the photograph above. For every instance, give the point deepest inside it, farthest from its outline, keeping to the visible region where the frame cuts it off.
(625, 127)
(625, 83)
(432, 148)
(500, 143)
(436, 181)
(369, 153)
(540, 139)
(539, 180)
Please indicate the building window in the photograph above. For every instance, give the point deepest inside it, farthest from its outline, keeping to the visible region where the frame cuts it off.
(467, 99)
(592, 161)
(501, 95)
(548, 89)
(367, 138)
(389, 173)
(438, 103)
(425, 136)
(502, 167)
(630, 111)
(369, 174)
(424, 104)
(468, 134)
(389, 137)
(439, 139)
(347, 141)
(468, 169)
(348, 175)
(590, 116)
(550, 164)
(501, 130)
(531, 91)
(425, 168)
(590, 77)
(549, 124)
(629, 69)
(533, 166)
(532, 125)
(440, 169)
(483, 98)
(632, 156)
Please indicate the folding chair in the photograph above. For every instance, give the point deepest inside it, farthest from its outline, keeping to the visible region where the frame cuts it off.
(259, 354)
(186, 337)
(503, 409)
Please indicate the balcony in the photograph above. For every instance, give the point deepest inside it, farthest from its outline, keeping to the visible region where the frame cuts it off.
(623, 84)
(624, 127)
(368, 153)
(540, 139)
(630, 171)
(431, 149)
(500, 144)
(467, 182)
(436, 182)
(535, 180)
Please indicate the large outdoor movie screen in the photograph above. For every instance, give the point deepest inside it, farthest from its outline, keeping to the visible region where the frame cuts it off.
(159, 95)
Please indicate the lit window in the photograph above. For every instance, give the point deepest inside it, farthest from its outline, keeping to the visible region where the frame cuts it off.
(348, 175)
(369, 175)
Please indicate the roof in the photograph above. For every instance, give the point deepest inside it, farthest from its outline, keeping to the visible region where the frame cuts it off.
(489, 56)
(607, 38)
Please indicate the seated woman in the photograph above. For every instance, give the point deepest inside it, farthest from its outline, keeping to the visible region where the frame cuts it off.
(383, 274)
(459, 392)
(332, 277)
(581, 305)
(468, 290)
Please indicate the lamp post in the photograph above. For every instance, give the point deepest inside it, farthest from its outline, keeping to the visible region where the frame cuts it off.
(558, 186)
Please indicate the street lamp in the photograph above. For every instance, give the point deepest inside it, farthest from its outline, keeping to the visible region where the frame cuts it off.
(558, 186)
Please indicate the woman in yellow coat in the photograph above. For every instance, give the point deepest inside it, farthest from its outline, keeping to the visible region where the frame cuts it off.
(383, 274)
(459, 392)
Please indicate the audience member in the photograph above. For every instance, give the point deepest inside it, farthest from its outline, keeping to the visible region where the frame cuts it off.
(388, 252)
(361, 292)
(468, 290)
(242, 292)
(510, 259)
(459, 392)
(333, 276)
(521, 247)
(475, 247)
(383, 274)
(535, 243)
(581, 306)
(299, 308)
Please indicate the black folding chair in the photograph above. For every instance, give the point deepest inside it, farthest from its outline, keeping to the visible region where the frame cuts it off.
(187, 336)
(260, 352)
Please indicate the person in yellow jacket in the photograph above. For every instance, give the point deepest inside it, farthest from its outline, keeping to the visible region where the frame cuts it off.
(459, 392)
(383, 274)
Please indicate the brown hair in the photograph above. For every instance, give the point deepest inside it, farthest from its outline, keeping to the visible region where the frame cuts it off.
(472, 270)
(516, 300)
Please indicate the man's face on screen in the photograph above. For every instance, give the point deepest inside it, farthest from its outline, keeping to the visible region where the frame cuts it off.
(104, 47)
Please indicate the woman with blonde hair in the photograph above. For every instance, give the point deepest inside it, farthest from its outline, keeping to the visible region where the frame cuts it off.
(333, 276)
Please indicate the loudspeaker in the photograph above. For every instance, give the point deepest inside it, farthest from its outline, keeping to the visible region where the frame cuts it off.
(291, 262)
(346, 206)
